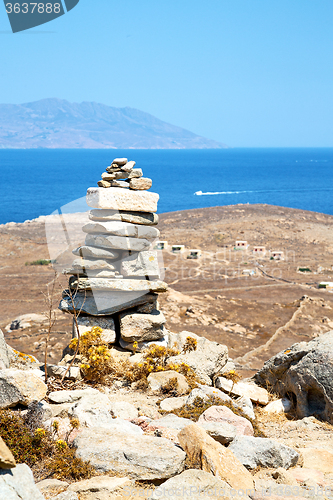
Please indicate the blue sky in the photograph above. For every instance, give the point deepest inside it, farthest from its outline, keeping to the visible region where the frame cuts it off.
(249, 73)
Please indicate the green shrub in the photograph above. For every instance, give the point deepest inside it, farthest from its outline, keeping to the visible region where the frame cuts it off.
(39, 262)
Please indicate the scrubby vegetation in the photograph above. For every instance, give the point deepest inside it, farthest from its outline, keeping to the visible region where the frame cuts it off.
(39, 262)
(35, 447)
(98, 364)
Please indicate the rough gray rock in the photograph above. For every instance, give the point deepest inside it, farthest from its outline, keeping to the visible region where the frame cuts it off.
(170, 421)
(138, 457)
(196, 485)
(120, 228)
(95, 411)
(18, 484)
(4, 358)
(222, 432)
(20, 386)
(123, 410)
(100, 487)
(71, 396)
(264, 452)
(207, 360)
(304, 374)
(138, 327)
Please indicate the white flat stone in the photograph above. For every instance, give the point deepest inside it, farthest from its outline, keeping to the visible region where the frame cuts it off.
(119, 228)
(97, 253)
(124, 285)
(122, 199)
(117, 242)
(147, 219)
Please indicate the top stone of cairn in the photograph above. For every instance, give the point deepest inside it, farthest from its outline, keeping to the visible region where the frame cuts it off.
(120, 161)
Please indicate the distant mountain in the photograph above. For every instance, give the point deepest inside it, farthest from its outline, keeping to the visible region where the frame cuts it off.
(56, 123)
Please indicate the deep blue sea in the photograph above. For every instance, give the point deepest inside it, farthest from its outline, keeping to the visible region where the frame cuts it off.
(38, 182)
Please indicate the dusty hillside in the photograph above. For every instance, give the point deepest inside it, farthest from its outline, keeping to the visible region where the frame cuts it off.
(255, 315)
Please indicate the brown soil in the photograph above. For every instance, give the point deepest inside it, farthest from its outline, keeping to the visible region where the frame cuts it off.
(255, 316)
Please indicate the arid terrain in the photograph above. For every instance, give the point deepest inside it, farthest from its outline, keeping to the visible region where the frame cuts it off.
(256, 307)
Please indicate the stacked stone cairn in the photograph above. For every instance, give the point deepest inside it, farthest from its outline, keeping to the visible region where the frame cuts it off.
(115, 279)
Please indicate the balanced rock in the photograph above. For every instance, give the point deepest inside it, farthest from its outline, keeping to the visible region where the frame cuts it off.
(87, 265)
(141, 264)
(147, 219)
(122, 199)
(120, 161)
(105, 302)
(86, 323)
(119, 228)
(136, 456)
(117, 242)
(213, 457)
(136, 327)
(126, 285)
(96, 253)
(253, 452)
(106, 176)
(20, 386)
(306, 371)
(120, 184)
(142, 183)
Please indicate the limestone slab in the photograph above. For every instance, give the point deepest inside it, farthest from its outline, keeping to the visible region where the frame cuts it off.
(122, 199)
(136, 456)
(123, 285)
(97, 253)
(94, 265)
(146, 218)
(119, 228)
(117, 242)
(105, 303)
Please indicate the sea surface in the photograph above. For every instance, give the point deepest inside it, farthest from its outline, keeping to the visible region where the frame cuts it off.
(39, 182)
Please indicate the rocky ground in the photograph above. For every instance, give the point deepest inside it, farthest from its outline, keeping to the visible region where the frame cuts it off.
(255, 316)
(218, 435)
